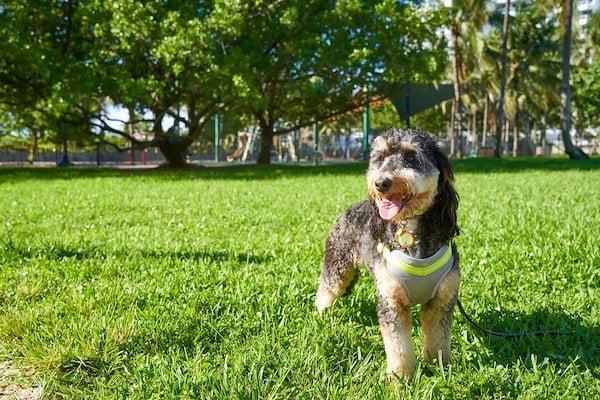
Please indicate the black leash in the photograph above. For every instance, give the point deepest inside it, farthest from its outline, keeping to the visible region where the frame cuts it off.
(502, 334)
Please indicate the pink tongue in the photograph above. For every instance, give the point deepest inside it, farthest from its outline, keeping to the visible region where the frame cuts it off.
(390, 207)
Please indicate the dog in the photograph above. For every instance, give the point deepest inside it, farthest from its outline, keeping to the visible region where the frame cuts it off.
(403, 235)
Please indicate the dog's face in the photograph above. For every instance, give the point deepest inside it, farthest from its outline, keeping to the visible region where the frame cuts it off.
(406, 170)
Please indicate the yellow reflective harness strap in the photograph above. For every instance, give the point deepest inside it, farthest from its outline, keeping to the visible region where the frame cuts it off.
(412, 270)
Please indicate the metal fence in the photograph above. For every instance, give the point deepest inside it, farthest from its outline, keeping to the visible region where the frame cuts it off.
(96, 158)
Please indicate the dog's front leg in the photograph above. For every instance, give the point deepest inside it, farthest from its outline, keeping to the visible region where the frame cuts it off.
(395, 321)
(436, 319)
(336, 279)
(395, 327)
(339, 270)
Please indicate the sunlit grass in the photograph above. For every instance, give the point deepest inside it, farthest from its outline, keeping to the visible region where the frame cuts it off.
(200, 284)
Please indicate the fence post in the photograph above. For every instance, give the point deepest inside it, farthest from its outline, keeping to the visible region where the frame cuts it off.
(217, 135)
(65, 160)
(366, 125)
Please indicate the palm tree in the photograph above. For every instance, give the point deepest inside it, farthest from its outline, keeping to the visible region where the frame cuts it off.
(468, 18)
(573, 151)
(504, 62)
(534, 66)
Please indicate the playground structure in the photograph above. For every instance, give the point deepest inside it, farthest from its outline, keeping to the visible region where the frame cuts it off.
(244, 139)
(284, 147)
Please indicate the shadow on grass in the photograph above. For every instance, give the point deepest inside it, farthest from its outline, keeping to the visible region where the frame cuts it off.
(572, 341)
(521, 164)
(278, 171)
(234, 172)
(212, 256)
(63, 252)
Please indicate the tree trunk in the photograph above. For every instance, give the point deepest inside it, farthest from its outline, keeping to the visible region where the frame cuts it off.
(493, 121)
(516, 133)
(33, 149)
(450, 131)
(485, 121)
(500, 113)
(174, 149)
(506, 134)
(543, 141)
(573, 151)
(266, 144)
(474, 133)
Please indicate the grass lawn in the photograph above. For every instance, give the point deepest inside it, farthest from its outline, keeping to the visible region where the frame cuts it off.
(163, 285)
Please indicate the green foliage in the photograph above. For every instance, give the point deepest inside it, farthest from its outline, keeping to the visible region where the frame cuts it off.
(383, 117)
(297, 61)
(13, 142)
(534, 60)
(594, 29)
(267, 63)
(533, 63)
(201, 284)
(586, 80)
(434, 120)
(288, 61)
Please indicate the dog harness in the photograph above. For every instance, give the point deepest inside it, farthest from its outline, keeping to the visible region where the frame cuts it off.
(420, 277)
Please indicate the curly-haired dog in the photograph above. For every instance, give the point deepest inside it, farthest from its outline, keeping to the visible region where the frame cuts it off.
(403, 235)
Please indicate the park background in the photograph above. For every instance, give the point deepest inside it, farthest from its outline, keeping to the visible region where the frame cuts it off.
(180, 81)
(182, 282)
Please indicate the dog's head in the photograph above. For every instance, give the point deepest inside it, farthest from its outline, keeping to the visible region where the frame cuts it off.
(409, 176)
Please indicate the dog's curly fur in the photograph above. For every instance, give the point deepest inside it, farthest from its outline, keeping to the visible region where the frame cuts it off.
(409, 165)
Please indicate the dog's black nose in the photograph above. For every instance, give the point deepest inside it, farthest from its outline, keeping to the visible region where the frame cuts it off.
(383, 184)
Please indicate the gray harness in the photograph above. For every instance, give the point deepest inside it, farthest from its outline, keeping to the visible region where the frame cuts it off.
(420, 277)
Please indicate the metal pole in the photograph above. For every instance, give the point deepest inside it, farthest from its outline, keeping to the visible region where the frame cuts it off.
(366, 126)
(408, 106)
(217, 135)
(316, 140)
(316, 135)
(65, 160)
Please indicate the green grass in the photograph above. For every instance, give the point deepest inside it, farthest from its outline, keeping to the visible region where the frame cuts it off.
(163, 285)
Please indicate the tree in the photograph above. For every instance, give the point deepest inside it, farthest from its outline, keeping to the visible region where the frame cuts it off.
(271, 53)
(466, 20)
(573, 151)
(586, 76)
(586, 82)
(63, 61)
(534, 65)
(42, 68)
(500, 113)
(158, 58)
(306, 60)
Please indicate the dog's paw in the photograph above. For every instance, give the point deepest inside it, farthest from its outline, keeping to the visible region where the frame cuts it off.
(402, 367)
(324, 300)
(403, 373)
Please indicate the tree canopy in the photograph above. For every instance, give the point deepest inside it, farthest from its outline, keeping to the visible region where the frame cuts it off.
(292, 61)
(175, 64)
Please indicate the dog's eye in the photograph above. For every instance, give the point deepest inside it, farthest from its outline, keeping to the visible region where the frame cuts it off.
(377, 157)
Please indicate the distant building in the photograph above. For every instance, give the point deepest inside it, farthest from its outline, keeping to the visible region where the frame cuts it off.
(585, 8)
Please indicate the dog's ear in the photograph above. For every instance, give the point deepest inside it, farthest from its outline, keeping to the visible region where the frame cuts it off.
(446, 199)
